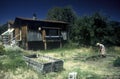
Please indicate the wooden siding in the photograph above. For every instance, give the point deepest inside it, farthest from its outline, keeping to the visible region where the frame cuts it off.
(24, 37)
(52, 33)
(17, 33)
(35, 45)
(24, 32)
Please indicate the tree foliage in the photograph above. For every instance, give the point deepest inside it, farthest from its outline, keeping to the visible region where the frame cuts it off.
(115, 32)
(95, 28)
(65, 14)
(87, 30)
(3, 28)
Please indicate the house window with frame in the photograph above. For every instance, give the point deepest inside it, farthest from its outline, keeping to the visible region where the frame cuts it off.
(34, 36)
(52, 32)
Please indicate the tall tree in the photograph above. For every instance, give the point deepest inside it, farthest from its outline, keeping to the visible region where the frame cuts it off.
(115, 32)
(3, 28)
(83, 30)
(55, 14)
(92, 29)
(104, 31)
(66, 14)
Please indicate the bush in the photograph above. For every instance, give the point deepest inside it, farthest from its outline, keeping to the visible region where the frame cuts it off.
(15, 48)
(2, 50)
(116, 63)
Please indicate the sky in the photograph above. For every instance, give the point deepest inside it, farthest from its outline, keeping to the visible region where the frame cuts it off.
(10, 9)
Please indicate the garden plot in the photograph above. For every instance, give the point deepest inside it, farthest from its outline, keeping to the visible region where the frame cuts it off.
(44, 64)
(44, 59)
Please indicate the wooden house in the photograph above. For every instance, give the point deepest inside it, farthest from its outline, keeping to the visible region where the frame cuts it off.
(39, 34)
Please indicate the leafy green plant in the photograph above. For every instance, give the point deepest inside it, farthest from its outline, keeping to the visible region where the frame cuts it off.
(116, 63)
(2, 50)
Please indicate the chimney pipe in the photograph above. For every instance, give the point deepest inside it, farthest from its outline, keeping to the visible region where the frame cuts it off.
(34, 16)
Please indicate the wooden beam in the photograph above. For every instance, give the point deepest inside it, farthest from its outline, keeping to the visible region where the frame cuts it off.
(45, 45)
(51, 28)
(44, 39)
(59, 33)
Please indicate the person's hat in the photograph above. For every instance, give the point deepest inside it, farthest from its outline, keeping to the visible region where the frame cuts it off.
(97, 44)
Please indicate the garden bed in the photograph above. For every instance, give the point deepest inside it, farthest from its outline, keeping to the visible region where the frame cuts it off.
(44, 64)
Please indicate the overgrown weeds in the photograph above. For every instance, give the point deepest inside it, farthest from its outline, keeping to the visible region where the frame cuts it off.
(74, 61)
(13, 59)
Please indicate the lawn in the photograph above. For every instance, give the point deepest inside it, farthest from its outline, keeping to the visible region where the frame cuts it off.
(79, 59)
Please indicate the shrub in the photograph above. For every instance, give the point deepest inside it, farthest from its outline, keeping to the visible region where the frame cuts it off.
(14, 63)
(116, 63)
(2, 50)
(15, 48)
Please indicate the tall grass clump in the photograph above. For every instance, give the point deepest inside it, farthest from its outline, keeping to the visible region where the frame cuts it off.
(86, 74)
(13, 58)
(81, 74)
(116, 63)
(70, 44)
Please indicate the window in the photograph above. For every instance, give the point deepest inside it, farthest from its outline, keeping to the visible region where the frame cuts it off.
(34, 36)
(64, 35)
(52, 32)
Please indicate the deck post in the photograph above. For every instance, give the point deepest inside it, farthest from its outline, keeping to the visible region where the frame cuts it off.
(45, 45)
(59, 33)
(44, 39)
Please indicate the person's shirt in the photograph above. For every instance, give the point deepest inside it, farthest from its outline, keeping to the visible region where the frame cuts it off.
(102, 46)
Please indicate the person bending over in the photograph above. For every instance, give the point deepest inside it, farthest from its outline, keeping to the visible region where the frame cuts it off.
(101, 49)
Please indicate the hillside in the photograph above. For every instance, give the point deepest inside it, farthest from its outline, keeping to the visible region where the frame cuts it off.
(83, 60)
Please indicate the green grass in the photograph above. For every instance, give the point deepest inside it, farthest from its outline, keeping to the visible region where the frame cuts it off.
(12, 59)
(74, 61)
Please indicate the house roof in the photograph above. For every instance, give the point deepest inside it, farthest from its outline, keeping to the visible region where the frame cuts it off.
(35, 24)
(50, 21)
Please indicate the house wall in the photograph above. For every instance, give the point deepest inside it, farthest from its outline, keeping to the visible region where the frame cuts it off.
(34, 40)
(48, 36)
(17, 33)
(21, 36)
(42, 40)
(39, 45)
(24, 33)
(35, 45)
